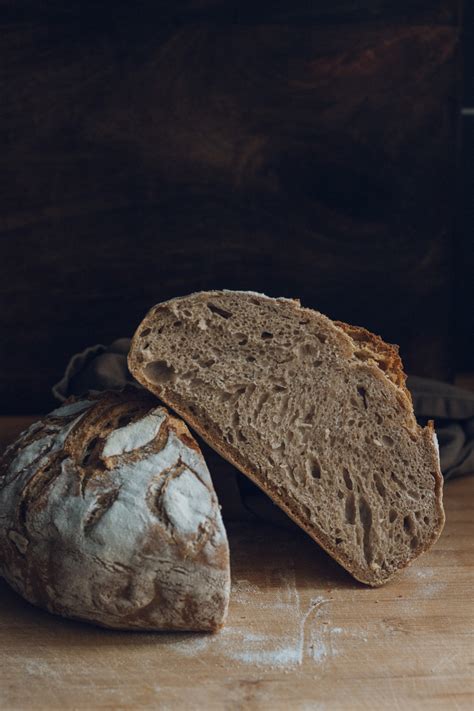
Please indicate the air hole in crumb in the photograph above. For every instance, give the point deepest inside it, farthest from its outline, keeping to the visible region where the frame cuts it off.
(340, 494)
(350, 510)
(243, 340)
(387, 440)
(338, 541)
(350, 422)
(409, 525)
(217, 310)
(362, 392)
(266, 335)
(208, 363)
(414, 543)
(365, 515)
(426, 519)
(250, 359)
(398, 481)
(159, 372)
(378, 418)
(317, 363)
(284, 404)
(261, 402)
(392, 516)
(177, 324)
(145, 332)
(379, 485)
(321, 337)
(347, 479)
(313, 467)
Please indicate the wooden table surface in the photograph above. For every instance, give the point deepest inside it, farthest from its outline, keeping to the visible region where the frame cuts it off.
(301, 634)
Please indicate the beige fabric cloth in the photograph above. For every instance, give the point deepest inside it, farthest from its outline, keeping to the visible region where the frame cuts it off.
(105, 367)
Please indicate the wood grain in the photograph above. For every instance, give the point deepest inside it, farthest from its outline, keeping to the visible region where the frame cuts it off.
(300, 634)
(307, 155)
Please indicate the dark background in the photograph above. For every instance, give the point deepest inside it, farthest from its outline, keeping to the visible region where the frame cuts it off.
(300, 149)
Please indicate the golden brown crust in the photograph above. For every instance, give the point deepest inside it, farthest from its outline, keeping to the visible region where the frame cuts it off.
(385, 355)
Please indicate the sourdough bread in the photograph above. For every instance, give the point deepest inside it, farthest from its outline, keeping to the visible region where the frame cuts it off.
(315, 412)
(108, 514)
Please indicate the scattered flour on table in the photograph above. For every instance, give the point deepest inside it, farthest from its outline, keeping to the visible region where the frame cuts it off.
(425, 583)
(420, 573)
(36, 667)
(302, 634)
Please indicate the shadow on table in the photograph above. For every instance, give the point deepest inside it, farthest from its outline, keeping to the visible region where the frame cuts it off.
(261, 554)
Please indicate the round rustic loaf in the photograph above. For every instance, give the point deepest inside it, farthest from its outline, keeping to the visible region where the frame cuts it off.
(108, 514)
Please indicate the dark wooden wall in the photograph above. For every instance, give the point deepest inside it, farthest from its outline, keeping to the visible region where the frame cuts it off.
(152, 149)
(464, 293)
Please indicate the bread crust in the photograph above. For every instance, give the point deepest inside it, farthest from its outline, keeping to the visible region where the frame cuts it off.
(384, 361)
(108, 514)
(385, 355)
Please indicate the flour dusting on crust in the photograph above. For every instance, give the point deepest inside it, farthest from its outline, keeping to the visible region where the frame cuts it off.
(134, 435)
(114, 525)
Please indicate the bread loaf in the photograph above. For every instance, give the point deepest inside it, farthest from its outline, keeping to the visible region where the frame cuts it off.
(315, 412)
(108, 514)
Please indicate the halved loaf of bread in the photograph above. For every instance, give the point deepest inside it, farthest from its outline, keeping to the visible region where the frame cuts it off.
(315, 412)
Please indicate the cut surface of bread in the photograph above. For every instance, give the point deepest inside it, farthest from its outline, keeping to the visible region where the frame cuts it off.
(315, 412)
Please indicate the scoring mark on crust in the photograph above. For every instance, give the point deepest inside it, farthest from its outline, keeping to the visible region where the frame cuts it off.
(103, 503)
(184, 504)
